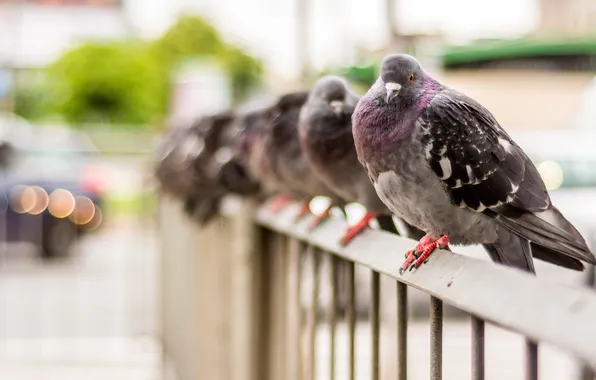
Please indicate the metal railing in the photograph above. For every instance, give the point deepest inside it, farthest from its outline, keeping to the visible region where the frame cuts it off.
(282, 339)
(540, 310)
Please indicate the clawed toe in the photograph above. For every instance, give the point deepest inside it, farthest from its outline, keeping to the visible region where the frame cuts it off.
(421, 253)
(411, 257)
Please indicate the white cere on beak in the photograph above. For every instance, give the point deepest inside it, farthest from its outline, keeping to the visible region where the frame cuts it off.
(392, 90)
(223, 155)
(336, 105)
(392, 87)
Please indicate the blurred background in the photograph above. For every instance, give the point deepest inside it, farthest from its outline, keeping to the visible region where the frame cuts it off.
(87, 85)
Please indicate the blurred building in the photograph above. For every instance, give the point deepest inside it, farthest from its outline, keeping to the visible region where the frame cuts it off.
(530, 83)
(567, 17)
(538, 82)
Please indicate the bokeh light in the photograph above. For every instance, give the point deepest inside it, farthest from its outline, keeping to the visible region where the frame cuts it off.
(41, 200)
(22, 199)
(84, 210)
(552, 174)
(62, 203)
(95, 222)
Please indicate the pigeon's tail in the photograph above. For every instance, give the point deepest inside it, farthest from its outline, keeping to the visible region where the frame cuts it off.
(552, 236)
(555, 257)
(511, 250)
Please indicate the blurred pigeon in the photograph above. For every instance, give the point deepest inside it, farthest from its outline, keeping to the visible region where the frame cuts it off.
(233, 175)
(285, 155)
(251, 148)
(440, 160)
(326, 137)
(186, 168)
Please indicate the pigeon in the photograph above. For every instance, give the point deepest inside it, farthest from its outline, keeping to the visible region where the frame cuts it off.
(233, 176)
(325, 131)
(251, 149)
(440, 160)
(186, 168)
(287, 160)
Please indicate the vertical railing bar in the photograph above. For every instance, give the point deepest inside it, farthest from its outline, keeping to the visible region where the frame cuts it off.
(402, 331)
(436, 338)
(333, 315)
(264, 297)
(375, 324)
(531, 360)
(477, 348)
(277, 309)
(299, 320)
(351, 319)
(273, 276)
(283, 305)
(587, 373)
(292, 300)
(314, 309)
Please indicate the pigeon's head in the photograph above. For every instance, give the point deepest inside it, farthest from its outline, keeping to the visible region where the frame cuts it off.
(291, 100)
(333, 91)
(402, 77)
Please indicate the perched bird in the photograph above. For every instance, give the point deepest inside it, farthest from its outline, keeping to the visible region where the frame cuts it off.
(441, 161)
(287, 160)
(186, 168)
(251, 149)
(325, 131)
(233, 176)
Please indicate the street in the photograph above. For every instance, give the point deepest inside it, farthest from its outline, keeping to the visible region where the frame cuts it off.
(90, 316)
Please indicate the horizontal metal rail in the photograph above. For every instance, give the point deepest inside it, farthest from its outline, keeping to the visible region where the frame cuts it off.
(540, 310)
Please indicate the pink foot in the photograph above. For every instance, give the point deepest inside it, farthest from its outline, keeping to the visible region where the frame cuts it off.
(357, 229)
(279, 203)
(420, 254)
(320, 218)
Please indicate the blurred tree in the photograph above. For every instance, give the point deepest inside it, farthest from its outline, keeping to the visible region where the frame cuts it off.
(30, 102)
(361, 77)
(118, 82)
(245, 71)
(190, 35)
(193, 36)
(128, 82)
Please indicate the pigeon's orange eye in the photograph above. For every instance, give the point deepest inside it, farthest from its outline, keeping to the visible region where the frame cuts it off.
(411, 78)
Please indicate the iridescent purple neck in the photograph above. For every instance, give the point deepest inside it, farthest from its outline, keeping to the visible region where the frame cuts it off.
(381, 128)
(429, 89)
(410, 112)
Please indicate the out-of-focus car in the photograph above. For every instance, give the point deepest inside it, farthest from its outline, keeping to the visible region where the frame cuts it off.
(49, 194)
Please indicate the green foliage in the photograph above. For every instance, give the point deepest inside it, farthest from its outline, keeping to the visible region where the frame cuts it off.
(128, 82)
(30, 102)
(361, 76)
(189, 36)
(193, 36)
(114, 82)
(245, 71)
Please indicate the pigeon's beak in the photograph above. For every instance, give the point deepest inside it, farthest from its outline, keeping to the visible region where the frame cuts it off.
(337, 106)
(392, 90)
